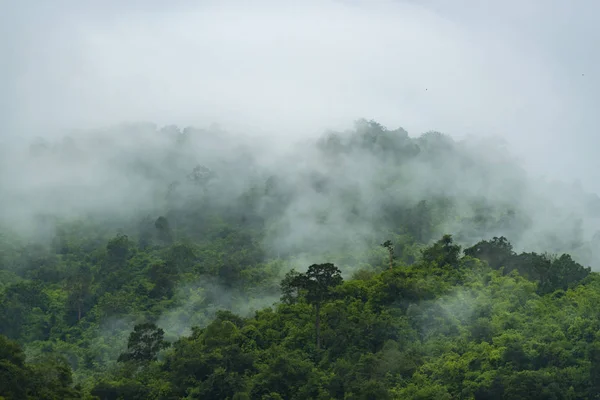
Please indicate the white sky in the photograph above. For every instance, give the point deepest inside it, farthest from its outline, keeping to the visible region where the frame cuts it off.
(509, 68)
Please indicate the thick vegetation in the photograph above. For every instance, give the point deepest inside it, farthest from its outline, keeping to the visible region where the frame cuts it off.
(229, 279)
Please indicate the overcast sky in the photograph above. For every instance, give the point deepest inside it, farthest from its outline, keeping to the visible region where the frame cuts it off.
(524, 70)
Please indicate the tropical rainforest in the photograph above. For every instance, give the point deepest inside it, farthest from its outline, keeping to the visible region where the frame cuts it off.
(139, 262)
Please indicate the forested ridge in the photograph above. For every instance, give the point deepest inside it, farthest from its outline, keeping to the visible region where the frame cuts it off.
(146, 263)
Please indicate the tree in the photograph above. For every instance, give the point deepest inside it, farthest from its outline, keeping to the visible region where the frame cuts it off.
(23, 307)
(315, 286)
(201, 176)
(118, 252)
(78, 284)
(419, 221)
(164, 277)
(443, 252)
(388, 245)
(52, 379)
(290, 289)
(117, 249)
(164, 230)
(48, 377)
(14, 375)
(496, 252)
(594, 374)
(144, 343)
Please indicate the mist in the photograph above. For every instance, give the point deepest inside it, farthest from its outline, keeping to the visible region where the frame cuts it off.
(276, 74)
(524, 73)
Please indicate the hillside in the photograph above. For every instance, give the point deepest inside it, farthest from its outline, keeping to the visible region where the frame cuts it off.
(146, 263)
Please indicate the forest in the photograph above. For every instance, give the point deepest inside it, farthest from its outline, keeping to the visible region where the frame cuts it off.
(139, 262)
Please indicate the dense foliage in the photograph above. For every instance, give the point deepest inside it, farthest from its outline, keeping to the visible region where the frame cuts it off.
(324, 283)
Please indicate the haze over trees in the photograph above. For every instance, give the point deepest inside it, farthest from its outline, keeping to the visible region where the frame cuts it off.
(140, 262)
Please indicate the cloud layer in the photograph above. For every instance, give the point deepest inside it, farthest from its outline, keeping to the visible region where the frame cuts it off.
(510, 69)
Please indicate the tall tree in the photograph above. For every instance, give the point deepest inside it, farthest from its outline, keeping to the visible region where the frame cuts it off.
(78, 284)
(315, 286)
(388, 246)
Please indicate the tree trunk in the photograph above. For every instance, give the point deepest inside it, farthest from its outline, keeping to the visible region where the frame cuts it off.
(318, 325)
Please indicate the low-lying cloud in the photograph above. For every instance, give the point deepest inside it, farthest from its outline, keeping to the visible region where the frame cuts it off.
(294, 69)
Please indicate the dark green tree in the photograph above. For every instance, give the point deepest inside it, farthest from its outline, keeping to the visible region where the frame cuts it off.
(14, 375)
(315, 286)
(52, 379)
(144, 343)
(118, 249)
(79, 285)
(390, 248)
(114, 267)
(496, 252)
(443, 252)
